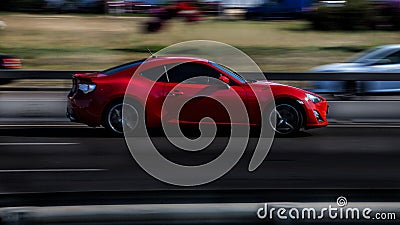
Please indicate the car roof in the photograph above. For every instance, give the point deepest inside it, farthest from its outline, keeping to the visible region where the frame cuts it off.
(152, 61)
(391, 46)
(175, 59)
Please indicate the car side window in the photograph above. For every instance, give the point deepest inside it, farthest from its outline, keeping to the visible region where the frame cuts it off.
(156, 74)
(394, 58)
(200, 73)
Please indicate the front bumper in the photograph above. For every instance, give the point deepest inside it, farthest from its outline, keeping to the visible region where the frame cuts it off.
(316, 115)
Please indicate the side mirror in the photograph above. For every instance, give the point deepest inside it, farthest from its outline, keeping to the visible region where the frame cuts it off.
(225, 81)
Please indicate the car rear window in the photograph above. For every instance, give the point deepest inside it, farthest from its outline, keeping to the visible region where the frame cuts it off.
(122, 67)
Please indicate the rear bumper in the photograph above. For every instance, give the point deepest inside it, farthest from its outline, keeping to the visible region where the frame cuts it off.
(80, 111)
(70, 115)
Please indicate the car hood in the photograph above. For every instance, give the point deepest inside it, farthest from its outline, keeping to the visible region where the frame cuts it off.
(263, 83)
(278, 88)
(341, 67)
(267, 84)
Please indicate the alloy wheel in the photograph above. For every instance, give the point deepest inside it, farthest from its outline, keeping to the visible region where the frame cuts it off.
(116, 121)
(285, 119)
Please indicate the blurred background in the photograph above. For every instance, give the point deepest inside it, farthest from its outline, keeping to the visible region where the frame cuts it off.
(280, 35)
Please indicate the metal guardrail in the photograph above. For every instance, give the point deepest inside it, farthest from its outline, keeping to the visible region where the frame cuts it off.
(39, 74)
(294, 76)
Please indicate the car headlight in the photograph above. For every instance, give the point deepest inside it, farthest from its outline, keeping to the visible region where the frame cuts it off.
(86, 88)
(313, 98)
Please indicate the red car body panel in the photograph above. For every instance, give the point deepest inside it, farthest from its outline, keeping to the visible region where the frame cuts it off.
(287, 92)
(89, 108)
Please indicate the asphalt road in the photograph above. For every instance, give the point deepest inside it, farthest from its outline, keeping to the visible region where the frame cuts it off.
(69, 157)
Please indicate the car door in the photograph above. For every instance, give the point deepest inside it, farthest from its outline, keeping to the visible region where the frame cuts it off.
(192, 90)
(151, 91)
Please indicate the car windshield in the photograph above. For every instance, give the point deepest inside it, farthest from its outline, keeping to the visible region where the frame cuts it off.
(370, 55)
(229, 71)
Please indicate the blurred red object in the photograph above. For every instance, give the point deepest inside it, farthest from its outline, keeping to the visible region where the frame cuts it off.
(185, 9)
(10, 62)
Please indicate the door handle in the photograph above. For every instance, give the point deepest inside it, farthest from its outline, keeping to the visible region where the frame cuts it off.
(175, 93)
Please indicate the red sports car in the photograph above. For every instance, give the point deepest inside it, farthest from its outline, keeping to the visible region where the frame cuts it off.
(98, 98)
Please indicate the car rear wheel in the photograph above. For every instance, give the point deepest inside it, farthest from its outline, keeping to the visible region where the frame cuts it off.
(286, 119)
(114, 121)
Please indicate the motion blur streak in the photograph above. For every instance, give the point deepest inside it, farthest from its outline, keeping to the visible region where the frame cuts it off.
(310, 163)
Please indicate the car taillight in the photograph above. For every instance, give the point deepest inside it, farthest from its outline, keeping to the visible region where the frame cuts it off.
(86, 88)
(11, 63)
(81, 84)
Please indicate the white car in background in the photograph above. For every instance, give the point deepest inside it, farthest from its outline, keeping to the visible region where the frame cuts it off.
(2, 25)
(381, 59)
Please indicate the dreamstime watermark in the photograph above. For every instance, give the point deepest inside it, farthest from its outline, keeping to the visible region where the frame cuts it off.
(340, 211)
(203, 91)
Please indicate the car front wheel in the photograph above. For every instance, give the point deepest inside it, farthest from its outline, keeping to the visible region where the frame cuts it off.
(286, 119)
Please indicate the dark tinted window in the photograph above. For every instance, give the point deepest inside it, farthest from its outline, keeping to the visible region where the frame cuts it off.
(230, 72)
(155, 73)
(394, 58)
(121, 67)
(186, 71)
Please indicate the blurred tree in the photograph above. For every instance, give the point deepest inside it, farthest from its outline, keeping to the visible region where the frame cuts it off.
(357, 15)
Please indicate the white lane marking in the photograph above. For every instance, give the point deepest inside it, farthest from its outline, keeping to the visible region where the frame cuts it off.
(37, 143)
(51, 170)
